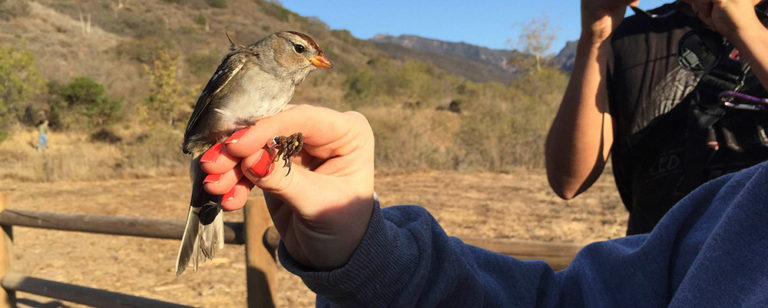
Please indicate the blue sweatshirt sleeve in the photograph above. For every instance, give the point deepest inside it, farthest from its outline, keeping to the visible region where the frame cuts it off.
(709, 250)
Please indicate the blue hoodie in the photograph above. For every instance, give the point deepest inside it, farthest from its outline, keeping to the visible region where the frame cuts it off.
(710, 250)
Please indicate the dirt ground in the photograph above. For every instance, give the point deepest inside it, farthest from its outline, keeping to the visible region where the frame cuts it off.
(516, 205)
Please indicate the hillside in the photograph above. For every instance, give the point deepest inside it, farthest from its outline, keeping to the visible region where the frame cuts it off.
(124, 35)
(473, 70)
(473, 62)
(424, 116)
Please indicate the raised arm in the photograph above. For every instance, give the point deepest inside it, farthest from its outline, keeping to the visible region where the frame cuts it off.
(581, 135)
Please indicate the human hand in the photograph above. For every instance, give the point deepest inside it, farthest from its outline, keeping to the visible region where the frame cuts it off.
(322, 207)
(600, 17)
(730, 18)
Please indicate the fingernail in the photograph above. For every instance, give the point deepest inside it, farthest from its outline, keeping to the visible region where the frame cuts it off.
(212, 154)
(236, 136)
(212, 178)
(263, 166)
(230, 195)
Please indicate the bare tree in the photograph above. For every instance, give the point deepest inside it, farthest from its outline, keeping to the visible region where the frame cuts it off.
(85, 23)
(535, 41)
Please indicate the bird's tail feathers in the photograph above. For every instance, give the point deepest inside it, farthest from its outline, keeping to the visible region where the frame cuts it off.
(204, 231)
(212, 236)
(189, 242)
(200, 241)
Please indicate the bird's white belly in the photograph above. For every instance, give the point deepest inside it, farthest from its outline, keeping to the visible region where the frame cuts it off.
(258, 95)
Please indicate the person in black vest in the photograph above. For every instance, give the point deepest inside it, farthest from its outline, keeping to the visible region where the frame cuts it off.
(663, 92)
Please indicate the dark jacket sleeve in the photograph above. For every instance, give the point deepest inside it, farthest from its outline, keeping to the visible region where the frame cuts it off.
(710, 250)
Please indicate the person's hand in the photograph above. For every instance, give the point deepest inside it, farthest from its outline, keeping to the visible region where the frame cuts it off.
(730, 18)
(323, 206)
(600, 17)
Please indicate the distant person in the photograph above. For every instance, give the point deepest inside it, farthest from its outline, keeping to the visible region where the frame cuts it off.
(647, 90)
(708, 251)
(42, 139)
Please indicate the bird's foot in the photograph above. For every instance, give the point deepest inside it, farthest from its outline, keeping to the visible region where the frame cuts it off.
(288, 147)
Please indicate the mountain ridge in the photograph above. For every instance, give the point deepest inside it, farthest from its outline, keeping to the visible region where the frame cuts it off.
(496, 61)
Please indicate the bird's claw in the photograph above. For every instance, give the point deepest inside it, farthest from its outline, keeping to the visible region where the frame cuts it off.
(288, 147)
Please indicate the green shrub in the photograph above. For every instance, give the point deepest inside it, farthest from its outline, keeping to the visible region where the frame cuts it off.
(83, 103)
(219, 4)
(201, 20)
(20, 81)
(82, 91)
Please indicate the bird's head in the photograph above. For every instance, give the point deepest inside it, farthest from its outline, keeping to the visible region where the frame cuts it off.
(298, 51)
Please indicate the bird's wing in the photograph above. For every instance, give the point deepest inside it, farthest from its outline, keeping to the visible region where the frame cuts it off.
(228, 68)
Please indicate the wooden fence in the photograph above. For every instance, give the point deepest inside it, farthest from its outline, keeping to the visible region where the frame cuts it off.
(260, 253)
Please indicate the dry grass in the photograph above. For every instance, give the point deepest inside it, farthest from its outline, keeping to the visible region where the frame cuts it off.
(74, 157)
(414, 138)
(515, 205)
(68, 158)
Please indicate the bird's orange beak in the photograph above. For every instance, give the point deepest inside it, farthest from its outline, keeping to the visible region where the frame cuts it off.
(321, 61)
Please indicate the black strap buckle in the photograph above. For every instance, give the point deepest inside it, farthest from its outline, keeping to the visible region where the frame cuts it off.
(700, 50)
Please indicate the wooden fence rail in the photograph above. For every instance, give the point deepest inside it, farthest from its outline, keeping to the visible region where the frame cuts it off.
(116, 225)
(260, 253)
(79, 294)
(557, 255)
(260, 274)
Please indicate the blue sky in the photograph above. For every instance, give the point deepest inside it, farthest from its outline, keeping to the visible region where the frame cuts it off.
(489, 23)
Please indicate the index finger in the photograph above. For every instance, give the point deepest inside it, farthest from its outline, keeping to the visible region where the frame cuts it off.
(325, 131)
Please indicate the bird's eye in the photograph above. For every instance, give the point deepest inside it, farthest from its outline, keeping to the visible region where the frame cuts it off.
(298, 48)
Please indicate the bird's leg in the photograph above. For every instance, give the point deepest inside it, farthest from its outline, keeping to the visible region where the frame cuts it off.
(288, 147)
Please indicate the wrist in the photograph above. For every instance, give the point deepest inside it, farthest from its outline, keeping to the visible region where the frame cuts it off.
(592, 50)
(339, 234)
(591, 41)
(748, 34)
(747, 30)
(753, 47)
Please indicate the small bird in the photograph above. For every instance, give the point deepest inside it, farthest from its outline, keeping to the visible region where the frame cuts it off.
(252, 82)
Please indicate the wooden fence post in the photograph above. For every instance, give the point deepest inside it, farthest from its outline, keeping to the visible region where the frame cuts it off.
(7, 297)
(260, 261)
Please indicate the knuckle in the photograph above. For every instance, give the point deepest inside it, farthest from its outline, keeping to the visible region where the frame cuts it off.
(356, 115)
(358, 119)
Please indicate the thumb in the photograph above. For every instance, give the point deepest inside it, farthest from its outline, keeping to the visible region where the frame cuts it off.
(309, 193)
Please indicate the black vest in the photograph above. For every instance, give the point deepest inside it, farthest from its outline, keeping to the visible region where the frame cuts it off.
(671, 133)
